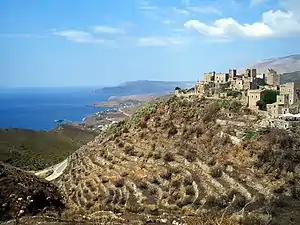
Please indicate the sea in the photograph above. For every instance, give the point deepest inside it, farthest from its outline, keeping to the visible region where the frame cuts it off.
(38, 108)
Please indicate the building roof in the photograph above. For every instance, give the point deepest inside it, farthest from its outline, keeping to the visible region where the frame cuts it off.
(254, 91)
(291, 115)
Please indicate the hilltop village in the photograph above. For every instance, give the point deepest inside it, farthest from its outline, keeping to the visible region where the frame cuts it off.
(263, 93)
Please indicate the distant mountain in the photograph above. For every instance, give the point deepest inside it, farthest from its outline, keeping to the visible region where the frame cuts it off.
(289, 66)
(285, 64)
(144, 87)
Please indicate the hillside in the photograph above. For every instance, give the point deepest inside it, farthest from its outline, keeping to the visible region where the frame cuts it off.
(35, 150)
(285, 64)
(288, 65)
(144, 87)
(22, 194)
(181, 162)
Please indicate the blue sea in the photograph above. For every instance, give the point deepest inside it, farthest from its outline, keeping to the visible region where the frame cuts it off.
(37, 108)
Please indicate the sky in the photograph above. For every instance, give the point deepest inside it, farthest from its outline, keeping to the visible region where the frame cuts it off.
(107, 42)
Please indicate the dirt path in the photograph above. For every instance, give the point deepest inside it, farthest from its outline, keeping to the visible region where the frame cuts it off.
(57, 169)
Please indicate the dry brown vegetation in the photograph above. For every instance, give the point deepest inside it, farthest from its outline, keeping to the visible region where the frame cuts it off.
(177, 158)
(172, 160)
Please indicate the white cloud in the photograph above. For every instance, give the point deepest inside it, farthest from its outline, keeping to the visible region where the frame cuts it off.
(79, 36)
(180, 11)
(228, 26)
(149, 10)
(147, 6)
(109, 30)
(159, 41)
(204, 9)
(168, 21)
(272, 23)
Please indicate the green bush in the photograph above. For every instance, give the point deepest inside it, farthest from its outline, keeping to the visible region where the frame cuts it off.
(268, 97)
(250, 134)
(231, 105)
(234, 94)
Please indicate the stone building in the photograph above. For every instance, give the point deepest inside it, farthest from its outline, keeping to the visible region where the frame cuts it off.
(253, 97)
(288, 101)
(232, 74)
(246, 81)
(221, 77)
(204, 88)
(209, 77)
(293, 90)
(281, 106)
(216, 77)
(250, 73)
(273, 78)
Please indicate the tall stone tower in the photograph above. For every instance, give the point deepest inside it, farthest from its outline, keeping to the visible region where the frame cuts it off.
(232, 74)
(251, 74)
(273, 78)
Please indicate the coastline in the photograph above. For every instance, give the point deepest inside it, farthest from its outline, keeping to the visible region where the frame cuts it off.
(100, 121)
(120, 108)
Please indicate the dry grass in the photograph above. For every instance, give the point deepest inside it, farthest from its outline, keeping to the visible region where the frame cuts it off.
(186, 171)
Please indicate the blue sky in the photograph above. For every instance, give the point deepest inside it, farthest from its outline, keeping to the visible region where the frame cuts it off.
(106, 42)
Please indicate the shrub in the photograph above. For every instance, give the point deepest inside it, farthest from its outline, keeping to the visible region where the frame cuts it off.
(142, 185)
(211, 200)
(129, 150)
(142, 124)
(189, 190)
(172, 131)
(153, 191)
(191, 156)
(166, 175)
(120, 182)
(216, 172)
(121, 144)
(210, 111)
(152, 209)
(105, 180)
(188, 180)
(169, 157)
(234, 94)
(176, 183)
(231, 105)
(185, 201)
(268, 97)
(155, 180)
(157, 155)
(249, 134)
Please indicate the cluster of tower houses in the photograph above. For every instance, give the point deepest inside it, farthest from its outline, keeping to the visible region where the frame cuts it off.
(252, 86)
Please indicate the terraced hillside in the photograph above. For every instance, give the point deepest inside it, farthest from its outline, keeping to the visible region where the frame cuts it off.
(191, 157)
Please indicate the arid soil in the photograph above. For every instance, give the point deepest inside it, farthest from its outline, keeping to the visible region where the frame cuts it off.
(23, 194)
(172, 159)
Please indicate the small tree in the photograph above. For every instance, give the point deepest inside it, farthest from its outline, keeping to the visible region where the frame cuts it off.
(235, 94)
(177, 89)
(261, 104)
(268, 97)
